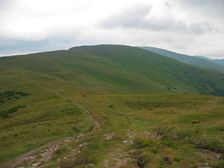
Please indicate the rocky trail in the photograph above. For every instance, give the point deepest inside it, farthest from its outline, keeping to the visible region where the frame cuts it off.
(39, 158)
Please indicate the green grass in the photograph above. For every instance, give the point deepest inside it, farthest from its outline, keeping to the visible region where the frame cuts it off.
(5, 114)
(43, 120)
(106, 69)
(150, 104)
(159, 137)
(159, 132)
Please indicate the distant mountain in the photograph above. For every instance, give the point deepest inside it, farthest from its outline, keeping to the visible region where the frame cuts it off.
(219, 61)
(199, 61)
(202, 57)
(107, 68)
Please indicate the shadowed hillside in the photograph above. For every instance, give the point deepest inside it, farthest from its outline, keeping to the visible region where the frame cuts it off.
(199, 61)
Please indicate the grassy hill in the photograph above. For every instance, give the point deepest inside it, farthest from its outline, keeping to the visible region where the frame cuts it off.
(107, 68)
(106, 106)
(199, 61)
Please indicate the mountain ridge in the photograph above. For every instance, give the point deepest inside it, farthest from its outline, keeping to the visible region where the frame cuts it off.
(199, 61)
(117, 67)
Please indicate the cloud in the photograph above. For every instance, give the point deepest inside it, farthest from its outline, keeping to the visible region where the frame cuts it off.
(18, 46)
(208, 7)
(138, 17)
(193, 27)
(133, 16)
(5, 3)
(55, 41)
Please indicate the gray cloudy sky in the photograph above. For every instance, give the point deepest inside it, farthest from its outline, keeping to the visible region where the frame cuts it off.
(194, 27)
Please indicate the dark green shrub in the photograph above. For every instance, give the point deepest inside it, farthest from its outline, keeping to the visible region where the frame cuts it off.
(10, 95)
(5, 114)
(110, 106)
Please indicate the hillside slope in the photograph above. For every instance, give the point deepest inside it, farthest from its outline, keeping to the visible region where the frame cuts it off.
(105, 69)
(199, 61)
(80, 104)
